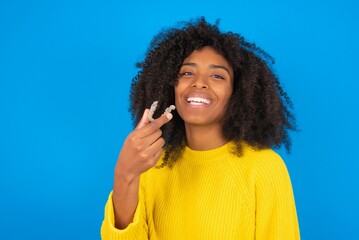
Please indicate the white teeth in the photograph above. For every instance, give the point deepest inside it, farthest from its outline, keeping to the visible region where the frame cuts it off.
(198, 100)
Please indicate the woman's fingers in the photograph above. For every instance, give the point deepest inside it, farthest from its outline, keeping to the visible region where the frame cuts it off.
(144, 120)
(154, 126)
(143, 147)
(154, 152)
(150, 139)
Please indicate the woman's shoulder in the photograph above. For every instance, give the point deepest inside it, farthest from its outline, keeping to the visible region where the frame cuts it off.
(256, 162)
(261, 157)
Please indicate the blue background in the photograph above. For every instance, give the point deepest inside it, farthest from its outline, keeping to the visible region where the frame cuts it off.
(65, 72)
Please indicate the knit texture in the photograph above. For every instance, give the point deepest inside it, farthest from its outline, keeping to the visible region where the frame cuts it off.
(213, 194)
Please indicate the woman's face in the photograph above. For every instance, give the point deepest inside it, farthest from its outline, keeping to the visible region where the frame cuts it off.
(204, 86)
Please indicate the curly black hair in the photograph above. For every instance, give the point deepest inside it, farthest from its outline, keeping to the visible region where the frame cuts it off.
(259, 111)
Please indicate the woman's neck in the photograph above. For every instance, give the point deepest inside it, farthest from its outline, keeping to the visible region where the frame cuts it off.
(203, 137)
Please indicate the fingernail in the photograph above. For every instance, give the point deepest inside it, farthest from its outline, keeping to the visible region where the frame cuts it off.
(169, 116)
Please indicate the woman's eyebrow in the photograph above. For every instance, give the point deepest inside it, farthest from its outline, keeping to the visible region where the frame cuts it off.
(189, 64)
(210, 66)
(219, 66)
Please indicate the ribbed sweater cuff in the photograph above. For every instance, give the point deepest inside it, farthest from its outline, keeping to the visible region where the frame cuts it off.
(109, 231)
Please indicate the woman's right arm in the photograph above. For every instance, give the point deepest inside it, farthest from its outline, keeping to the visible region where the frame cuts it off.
(140, 152)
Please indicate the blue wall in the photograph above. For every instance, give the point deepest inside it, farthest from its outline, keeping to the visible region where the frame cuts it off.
(65, 70)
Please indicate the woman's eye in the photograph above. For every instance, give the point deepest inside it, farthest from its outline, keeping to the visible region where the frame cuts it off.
(217, 76)
(186, 73)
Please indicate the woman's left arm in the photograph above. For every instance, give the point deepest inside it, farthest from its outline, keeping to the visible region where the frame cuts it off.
(276, 216)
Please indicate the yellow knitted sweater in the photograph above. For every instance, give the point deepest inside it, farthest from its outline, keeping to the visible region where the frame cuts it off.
(213, 194)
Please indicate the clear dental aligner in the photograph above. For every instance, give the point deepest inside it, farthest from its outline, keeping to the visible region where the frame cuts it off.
(153, 109)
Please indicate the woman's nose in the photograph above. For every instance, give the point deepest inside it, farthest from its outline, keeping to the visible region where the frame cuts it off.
(199, 82)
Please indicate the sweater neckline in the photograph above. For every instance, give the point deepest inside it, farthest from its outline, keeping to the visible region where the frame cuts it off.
(206, 156)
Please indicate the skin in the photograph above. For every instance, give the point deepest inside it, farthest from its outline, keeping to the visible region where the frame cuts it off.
(204, 74)
(206, 78)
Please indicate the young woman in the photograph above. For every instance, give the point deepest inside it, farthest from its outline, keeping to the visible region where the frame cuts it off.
(206, 170)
